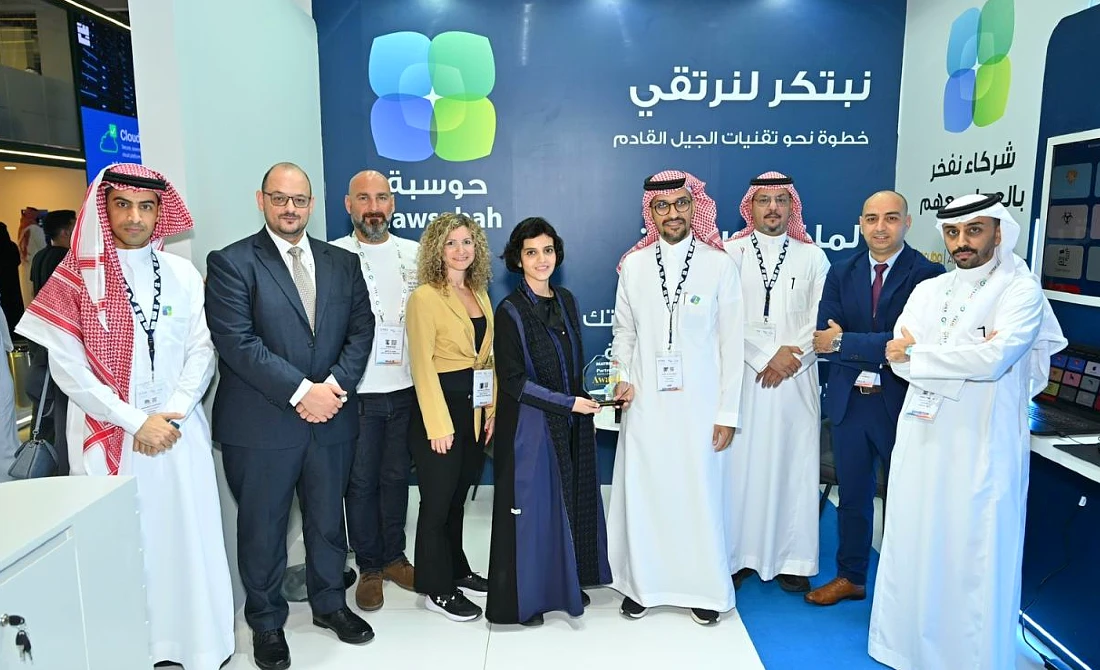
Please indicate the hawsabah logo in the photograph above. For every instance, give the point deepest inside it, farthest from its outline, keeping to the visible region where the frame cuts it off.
(432, 96)
(979, 71)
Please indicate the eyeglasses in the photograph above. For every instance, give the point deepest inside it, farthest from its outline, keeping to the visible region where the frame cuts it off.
(280, 199)
(662, 207)
(766, 200)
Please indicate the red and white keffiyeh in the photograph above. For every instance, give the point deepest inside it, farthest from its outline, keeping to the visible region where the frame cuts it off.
(796, 228)
(703, 221)
(85, 296)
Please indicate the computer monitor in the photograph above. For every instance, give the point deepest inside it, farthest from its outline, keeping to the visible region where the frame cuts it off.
(1065, 252)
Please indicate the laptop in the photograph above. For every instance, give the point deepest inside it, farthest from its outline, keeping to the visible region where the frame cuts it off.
(1070, 404)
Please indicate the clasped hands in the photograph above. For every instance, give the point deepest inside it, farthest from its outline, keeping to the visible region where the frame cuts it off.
(156, 434)
(321, 402)
(784, 364)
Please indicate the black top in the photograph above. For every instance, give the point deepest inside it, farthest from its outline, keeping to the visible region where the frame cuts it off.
(480, 327)
(44, 263)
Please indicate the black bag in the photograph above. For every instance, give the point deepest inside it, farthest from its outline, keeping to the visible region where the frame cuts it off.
(35, 458)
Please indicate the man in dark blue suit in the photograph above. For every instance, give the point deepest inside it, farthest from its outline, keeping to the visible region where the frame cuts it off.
(290, 317)
(863, 297)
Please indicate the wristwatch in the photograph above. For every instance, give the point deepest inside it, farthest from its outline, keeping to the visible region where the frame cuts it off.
(836, 342)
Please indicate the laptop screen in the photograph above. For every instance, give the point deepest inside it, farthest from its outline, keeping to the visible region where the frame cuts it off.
(1074, 379)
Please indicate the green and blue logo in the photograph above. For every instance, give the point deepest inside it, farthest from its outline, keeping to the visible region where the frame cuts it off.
(978, 68)
(432, 96)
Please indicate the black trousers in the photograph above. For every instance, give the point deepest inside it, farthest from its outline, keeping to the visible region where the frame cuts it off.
(263, 481)
(444, 481)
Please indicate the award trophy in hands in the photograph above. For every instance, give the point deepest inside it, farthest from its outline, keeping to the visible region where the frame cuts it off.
(599, 378)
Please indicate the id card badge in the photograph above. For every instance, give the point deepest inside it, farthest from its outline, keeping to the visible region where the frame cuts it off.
(762, 330)
(923, 406)
(483, 388)
(150, 396)
(868, 379)
(390, 349)
(670, 372)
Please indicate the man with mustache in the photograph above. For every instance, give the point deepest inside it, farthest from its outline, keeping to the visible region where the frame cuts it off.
(975, 346)
(378, 491)
(776, 468)
(864, 295)
(291, 319)
(678, 345)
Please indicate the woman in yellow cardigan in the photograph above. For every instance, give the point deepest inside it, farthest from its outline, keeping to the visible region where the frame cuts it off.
(450, 328)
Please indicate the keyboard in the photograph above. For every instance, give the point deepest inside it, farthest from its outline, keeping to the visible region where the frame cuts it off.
(1060, 421)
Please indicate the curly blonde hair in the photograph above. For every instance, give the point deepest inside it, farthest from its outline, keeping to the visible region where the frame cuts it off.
(430, 266)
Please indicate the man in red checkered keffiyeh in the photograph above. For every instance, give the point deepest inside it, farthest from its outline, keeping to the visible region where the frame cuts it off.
(775, 185)
(700, 208)
(86, 299)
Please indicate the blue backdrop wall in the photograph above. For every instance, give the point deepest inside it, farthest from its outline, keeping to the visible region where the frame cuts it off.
(560, 108)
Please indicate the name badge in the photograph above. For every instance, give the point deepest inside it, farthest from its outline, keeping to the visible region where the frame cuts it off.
(149, 397)
(763, 331)
(923, 406)
(670, 372)
(389, 346)
(483, 388)
(868, 379)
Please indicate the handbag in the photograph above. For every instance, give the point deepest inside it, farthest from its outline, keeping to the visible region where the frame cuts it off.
(35, 458)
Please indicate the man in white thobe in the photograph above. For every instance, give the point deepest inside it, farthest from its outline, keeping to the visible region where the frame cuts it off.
(126, 332)
(678, 345)
(776, 467)
(975, 346)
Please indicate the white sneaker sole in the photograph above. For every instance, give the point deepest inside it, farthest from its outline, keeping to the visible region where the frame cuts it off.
(628, 615)
(704, 622)
(430, 604)
(470, 593)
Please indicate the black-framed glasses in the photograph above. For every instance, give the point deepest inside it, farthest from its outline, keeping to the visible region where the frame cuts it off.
(280, 199)
(662, 207)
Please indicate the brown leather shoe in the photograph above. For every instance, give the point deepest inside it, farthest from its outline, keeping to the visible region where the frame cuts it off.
(400, 572)
(368, 595)
(835, 591)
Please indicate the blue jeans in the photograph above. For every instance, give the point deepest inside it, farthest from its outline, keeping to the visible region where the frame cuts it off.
(377, 499)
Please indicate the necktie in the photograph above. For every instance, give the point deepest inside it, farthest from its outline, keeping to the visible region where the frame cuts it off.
(303, 283)
(876, 287)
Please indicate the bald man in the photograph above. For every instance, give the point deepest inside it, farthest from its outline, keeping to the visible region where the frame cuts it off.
(291, 319)
(378, 492)
(863, 296)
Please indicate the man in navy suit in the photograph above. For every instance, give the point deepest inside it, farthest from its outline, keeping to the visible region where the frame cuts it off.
(863, 297)
(290, 317)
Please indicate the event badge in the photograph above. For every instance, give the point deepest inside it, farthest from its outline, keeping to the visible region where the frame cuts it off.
(924, 406)
(390, 347)
(670, 372)
(868, 379)
(762, 330)
(149, 397)
(483, 388)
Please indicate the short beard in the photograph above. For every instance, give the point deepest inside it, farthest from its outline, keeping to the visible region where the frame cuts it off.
(373, 232)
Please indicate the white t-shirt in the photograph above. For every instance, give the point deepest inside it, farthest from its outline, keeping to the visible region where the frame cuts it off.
(390, 272)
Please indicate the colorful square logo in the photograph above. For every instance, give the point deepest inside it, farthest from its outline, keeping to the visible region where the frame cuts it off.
(433, 96)
(979, 71)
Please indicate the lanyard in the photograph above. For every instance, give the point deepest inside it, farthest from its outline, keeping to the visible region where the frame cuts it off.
(764, 273)
(671, 306)
(372, 284)
(948, 327)
(149, 327)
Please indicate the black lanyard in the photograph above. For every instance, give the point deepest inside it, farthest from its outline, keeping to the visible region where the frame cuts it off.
(764, 273)
(671, 306)
(149, 327)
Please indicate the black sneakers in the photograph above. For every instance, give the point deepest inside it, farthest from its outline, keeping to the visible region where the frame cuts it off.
(704, 617)
(473, 584)
(456, 606)
(631, 609)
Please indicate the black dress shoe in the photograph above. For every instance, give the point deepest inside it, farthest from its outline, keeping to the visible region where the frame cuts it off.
(740, 576)
(349, 578)
(270, 650)
(536, 620)
(793, 583)
(585, 600)
(347, 625)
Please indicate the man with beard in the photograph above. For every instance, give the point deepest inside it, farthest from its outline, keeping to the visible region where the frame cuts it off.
(378, 491)
(776, 467)
(290, 317)
(678, 343)
(975, 346)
